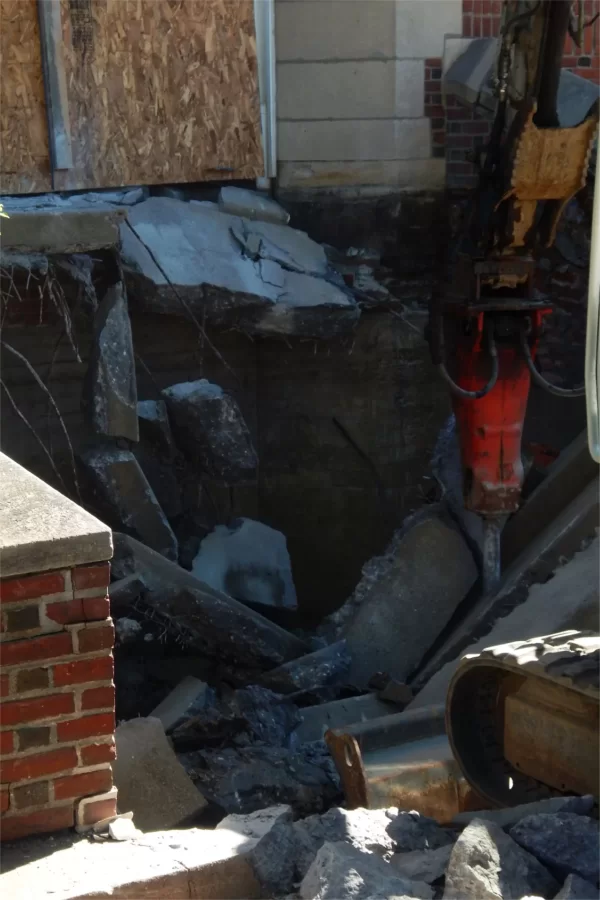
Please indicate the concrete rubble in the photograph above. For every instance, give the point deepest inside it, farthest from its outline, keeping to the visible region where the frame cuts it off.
(250, 562)
(320, 669)
(260, 277)
(251, 205)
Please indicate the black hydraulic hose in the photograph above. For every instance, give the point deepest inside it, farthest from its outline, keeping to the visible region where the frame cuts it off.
(474, 395)
(539, 379)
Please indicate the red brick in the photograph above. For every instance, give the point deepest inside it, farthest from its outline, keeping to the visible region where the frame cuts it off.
(20, 711)
(435, 112)
(487, 28)
(432, 86)
(4, 800)
(98, 698)
(85, 577)
(32, 649)
(32, 680)
(82, 785)
(467, 6)
(89, 726)
(467, 27)
(7, 742)
(65, 611)
(96, 608)
(4, 685)
(435, 62)
(98, 669)
(92, 639)
(38, 765)
(22, 618)
(93, 812)
(94, 754)
(44, 820)
(31, 587)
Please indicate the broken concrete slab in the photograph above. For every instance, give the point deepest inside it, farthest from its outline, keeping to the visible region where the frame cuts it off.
(189, 697)
(412, 831)
(422, 865)
(162, 478)
(324, 667)
(252, 205)
(62, 230)
(209, 427)
(560, 540)
(270, 718)
(150, 780)
(110, 388)
(123, 593)
(564, 842)
(254, 281)
(127, 499)
(568, 601)
(341, 871)
(576, 888)
(487, 864)
(154, 427)
(245, 779)
(175, 864)
(505, 818)
(427, 566)
(257, 824)
(249, 561)
(316, 720)
(206, 620)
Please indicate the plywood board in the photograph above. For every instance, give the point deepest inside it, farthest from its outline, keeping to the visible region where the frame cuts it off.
(24, 156)
(160, 91)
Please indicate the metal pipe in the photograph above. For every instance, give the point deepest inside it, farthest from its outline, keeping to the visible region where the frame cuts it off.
(592, 340)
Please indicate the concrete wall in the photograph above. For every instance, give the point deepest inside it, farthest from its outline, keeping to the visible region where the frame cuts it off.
(351, 85)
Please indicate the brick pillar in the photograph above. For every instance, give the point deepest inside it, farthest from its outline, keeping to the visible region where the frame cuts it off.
(57, 714)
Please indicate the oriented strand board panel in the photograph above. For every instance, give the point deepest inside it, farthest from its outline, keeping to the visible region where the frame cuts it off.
(160, 91)
(24, 157)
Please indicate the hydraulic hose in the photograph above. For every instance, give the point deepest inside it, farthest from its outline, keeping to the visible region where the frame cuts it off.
(474, 395)
(539, 379)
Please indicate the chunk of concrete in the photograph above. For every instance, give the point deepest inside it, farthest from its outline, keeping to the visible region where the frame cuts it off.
(486, 864)
(127, 630)
(506, 818)
(254, 276)
(123, 593)
(154, 427)
(568, 601)
(327, 666)
(342, 871)
(252, 205)
(405, 599)
(576, 888)
(208, 621)
(316, 720)
(190, 696)
(564, 842)
(127, 498)
(162, 478)
(412, 831)
(257, 824)
(67, 229)
(210, 428)
(190, 862)
(150, 780)
(250, 562)
(269, 717)
(422, 865)
(110, 388)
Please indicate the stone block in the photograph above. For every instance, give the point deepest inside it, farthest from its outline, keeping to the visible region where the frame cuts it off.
(150, 780)
(366, 89)
(316, 720)
(366, 176)
(380, 139)
(190, 696)
(324, 667)
(334, 29)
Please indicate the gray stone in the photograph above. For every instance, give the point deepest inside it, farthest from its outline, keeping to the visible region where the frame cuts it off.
(110, 388)
(427, 567)
(123, 593)
(316, 720)
(210, 429)
(128, 500)
(41, 529)
(252, 205)
(486, 864)
(250, 562)
(162, 478)
(285, 855)
(341, 871)
(422, 865)
(257, 824)
(327, 666)
(207, 621)
(154, 427)
(506, 818)
(565, 842)
(127, 630)
(62, 230)
(271, 719)
(189, 697)
(412, 831)
(231, 272)
(576, 888)
(245, 779)
(149, 778)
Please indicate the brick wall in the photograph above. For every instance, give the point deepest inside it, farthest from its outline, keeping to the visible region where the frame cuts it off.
(57, 714)
(456, 129)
